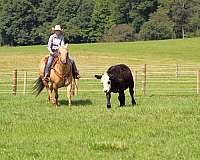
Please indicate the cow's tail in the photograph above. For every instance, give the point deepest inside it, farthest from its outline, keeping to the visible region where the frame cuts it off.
(38, 86)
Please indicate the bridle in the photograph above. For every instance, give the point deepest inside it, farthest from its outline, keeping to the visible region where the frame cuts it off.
(64, 63)
(63, 76)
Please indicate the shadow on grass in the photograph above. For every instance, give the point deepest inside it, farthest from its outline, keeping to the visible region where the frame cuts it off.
(76, 102)
(109, 146)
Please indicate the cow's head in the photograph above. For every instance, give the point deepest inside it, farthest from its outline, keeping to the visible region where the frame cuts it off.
(106, 81)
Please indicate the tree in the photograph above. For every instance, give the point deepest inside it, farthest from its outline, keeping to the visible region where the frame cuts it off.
(17, 21)
(120, 11)
(158, 27)
(140, 12)
(84, 17)
(1, 8)
(181, 11)
(101, 20)
(194, 21)
(80, 24)
(74, 17)
(47, 11)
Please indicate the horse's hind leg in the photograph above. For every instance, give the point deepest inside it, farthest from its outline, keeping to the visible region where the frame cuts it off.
(132, 93)
(50, 97)
(69, 95)
(49, 91)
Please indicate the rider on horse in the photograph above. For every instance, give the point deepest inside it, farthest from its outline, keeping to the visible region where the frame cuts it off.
(56, 40)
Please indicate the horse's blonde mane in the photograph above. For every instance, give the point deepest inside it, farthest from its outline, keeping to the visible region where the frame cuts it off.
(63, 49)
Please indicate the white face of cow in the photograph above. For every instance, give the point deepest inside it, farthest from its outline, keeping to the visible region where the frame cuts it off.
(105, 80)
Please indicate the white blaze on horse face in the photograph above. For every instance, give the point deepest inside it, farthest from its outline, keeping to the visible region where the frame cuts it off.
(105, 80)
(63, 53)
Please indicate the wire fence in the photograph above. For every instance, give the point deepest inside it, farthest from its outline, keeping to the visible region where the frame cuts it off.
(172, 79)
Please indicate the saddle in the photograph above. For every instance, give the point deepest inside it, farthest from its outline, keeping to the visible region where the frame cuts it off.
(53, 63)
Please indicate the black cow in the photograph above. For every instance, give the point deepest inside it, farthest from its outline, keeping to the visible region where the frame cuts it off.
(117, 79)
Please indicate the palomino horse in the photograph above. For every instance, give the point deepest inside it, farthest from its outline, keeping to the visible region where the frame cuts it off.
(60, 76)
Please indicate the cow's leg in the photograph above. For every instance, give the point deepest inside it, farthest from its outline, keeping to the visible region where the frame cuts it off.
(121, 98)
(132, 93)
(108, 96)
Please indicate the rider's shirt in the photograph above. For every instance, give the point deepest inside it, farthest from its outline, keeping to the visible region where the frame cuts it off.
(54, 42)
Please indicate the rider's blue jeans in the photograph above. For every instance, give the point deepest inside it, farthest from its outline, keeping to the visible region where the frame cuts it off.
(50, 60)
(48, 65)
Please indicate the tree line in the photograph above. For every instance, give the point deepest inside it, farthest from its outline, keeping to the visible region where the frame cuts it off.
(29, 22)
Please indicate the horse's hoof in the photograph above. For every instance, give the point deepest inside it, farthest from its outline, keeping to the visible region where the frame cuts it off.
(108, 106)
(45, 83)
(56, 105)
(133, 103)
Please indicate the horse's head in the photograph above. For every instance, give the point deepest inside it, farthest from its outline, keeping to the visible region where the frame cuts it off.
(63, 50)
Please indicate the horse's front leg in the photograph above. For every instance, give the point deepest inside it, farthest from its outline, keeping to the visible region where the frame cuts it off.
(56, 97)
(69, 96)
(108, 96)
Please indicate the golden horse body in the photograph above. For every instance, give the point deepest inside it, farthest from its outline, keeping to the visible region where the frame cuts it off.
(60, 76)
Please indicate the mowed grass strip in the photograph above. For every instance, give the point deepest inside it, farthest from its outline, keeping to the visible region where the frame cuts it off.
(149, 52)
(159, 127)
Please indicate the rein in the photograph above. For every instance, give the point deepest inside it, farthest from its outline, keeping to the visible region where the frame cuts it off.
(62, 76)
(62, 62)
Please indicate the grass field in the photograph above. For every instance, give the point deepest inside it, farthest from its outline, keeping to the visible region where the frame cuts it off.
(159, 127)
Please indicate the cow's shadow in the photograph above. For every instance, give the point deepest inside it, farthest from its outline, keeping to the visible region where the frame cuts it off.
(76, 102)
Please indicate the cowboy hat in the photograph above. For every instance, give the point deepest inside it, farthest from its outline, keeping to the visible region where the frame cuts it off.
(57, 28)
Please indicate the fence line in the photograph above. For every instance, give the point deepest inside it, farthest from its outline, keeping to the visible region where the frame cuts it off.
(149, 79)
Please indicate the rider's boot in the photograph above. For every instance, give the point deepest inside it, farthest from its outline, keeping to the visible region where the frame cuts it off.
(47, 69)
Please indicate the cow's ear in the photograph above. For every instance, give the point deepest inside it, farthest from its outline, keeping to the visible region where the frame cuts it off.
(112, 77)
(98, 76)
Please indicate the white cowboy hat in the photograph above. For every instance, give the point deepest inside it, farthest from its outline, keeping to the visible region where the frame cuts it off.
(57, 28)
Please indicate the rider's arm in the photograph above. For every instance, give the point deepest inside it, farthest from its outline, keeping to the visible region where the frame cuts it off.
(62, 43)
(50, 45)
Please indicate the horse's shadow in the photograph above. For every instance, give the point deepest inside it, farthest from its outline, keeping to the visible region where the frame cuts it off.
(77, 102)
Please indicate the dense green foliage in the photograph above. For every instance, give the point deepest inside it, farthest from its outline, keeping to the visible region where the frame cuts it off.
(27, 22)
(158, 27)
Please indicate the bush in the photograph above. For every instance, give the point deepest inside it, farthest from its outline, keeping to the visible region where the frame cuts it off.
(158, 27)
(119, 33)
(156, 31)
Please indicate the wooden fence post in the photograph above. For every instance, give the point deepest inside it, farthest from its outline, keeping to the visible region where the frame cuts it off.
(25, 82)
(198, 81)
(135, 82)
(14, 92)
(144, 68)
(177, 70)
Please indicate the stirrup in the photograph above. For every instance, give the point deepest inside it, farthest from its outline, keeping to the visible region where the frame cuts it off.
(46, 79)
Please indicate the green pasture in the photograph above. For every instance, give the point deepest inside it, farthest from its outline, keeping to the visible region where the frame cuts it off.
(163, 126)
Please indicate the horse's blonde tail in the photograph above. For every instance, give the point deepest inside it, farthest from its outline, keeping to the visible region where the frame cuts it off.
(38, 86)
